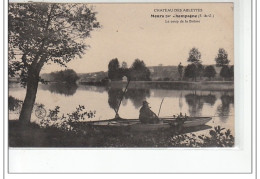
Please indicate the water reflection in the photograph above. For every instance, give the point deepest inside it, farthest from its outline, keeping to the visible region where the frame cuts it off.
(99, 89)
(223, 110)
(193, 101)
(210, 99)
(180, 101)
(104, 100)
(114, 97)
(196, 102)
(137, 96)
(61, 88)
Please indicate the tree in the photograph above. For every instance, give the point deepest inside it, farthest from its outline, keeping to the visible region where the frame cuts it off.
(194, 58)
(222, 61)
(114, 72)
(222, 58)
(139, 71)
(180, 70)
(190, 70)
(69, 76)
(225, 72)
(199, 70)
(210, 72)
(42, 32)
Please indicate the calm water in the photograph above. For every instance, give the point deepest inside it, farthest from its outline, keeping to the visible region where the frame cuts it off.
(103, 100)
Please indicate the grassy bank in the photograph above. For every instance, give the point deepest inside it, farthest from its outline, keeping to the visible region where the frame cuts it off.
(34, 136)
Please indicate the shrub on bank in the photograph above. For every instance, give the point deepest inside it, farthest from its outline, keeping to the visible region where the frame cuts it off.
(13, 103)
(219, 137)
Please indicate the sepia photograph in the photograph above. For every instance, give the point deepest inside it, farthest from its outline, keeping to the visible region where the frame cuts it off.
(121, 75)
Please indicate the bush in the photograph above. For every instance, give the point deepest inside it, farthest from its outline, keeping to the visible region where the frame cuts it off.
(217, 138)
(54, 119)
(14, 104)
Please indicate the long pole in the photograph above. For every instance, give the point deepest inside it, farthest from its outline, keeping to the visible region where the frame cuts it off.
(122, 98)
(160, 108)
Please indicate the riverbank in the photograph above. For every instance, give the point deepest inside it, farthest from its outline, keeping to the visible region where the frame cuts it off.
(34, 136)
(176, 85)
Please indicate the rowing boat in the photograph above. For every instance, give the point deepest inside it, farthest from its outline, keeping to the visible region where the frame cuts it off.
(190, 121)
(136, 125)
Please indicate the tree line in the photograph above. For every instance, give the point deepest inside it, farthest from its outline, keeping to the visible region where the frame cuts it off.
(137, 72)
(195, 69)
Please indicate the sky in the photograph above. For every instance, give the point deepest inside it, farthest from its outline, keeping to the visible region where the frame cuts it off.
(129, 32)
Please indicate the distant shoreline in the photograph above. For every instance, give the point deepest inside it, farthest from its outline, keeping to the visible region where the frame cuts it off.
(178, 85)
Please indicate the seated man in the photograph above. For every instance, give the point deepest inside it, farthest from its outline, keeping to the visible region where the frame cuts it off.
(147, 115)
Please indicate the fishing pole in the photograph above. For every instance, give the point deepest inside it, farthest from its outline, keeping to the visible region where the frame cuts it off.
(160, 108)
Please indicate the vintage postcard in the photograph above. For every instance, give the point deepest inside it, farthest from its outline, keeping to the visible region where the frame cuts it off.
(123, 75)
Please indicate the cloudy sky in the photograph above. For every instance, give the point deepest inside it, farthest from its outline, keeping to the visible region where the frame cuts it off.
(128, 32)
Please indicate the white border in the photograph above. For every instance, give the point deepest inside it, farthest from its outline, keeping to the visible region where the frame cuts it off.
(237, 160)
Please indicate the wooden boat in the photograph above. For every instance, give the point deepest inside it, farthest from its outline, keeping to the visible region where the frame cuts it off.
(189, 121)
(136, 125)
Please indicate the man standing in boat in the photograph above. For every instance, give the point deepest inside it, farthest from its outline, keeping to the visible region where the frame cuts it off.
(147, 115)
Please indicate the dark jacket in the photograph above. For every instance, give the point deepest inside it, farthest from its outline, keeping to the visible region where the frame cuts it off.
(147, 115)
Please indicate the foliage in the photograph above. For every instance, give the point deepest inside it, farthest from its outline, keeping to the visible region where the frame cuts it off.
(139, 71)
(68, 76)
(13, 103)
(42, 32)
(199, 70)
(193, 71)
(194, 56)
(217, 138)
(222, 58)
(225, 72)
(190, 70)
(114, 70)
(39, 33)
(210, 72)
(90, 136)
(63, 122)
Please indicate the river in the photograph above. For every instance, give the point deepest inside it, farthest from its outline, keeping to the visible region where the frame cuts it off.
(103, 100)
